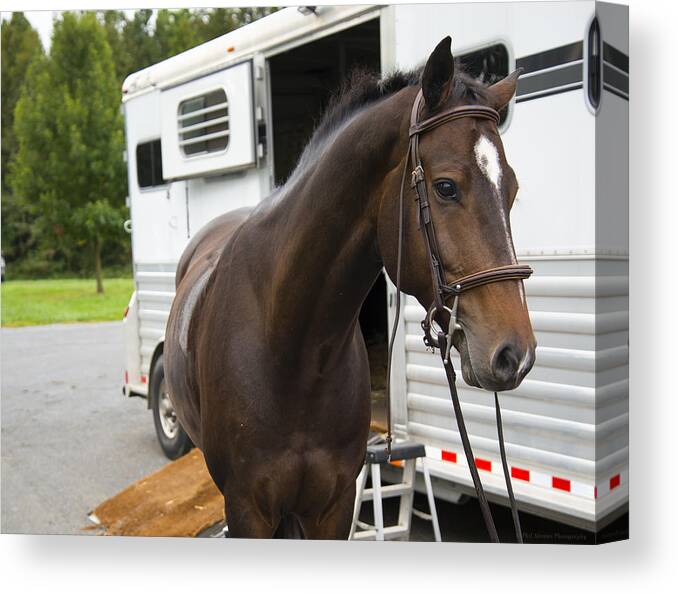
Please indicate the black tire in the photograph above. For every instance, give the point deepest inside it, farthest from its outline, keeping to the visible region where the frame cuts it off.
(173, 439)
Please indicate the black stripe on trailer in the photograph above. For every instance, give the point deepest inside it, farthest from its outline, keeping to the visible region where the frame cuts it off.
(549, 80)
(550, 58)
(615, 92)
(615, 79)
(615, 71)
(615, 57)
(549, 93)
(552, 72)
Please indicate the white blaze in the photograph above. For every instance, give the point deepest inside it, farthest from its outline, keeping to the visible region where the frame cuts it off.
(487, 157)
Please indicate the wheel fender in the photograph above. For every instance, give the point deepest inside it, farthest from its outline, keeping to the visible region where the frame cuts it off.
(156, 353)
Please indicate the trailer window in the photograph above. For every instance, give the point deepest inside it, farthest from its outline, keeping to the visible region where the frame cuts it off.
(149, 164)
(594, 66)
(203, 123)
(489, 64)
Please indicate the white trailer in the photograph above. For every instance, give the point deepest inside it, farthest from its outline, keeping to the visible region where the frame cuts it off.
(217, 127)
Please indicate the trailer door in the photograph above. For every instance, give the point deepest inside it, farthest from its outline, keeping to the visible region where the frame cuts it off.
(157, 204)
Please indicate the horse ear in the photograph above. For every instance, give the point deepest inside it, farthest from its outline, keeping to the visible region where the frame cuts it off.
(501, 92)
(436, 82)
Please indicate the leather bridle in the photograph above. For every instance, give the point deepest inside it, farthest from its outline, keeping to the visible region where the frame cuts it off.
(442, 291)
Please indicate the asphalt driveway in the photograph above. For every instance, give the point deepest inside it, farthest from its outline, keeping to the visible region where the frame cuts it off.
(69, 438)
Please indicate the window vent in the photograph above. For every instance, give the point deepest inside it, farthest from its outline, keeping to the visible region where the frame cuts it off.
(203, 124)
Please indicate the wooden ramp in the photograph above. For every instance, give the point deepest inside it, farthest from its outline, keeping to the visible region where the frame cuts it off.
(180, 499)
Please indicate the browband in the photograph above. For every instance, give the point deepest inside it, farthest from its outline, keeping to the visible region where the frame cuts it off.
(491, 275)
(463, 111)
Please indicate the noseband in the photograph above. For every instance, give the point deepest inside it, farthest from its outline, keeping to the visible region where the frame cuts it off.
(442, 291)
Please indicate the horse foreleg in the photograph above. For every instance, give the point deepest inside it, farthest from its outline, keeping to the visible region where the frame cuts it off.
(335, 524)
(245, 520)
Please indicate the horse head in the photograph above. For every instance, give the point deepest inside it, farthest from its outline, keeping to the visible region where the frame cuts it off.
(471, 188)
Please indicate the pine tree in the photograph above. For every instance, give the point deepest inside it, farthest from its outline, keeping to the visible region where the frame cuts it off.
(70, 135)
(20, 46)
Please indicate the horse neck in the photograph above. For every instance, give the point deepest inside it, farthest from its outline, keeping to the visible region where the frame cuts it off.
(318, 236)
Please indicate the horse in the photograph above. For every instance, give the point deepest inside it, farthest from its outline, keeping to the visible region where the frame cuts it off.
(265, 361)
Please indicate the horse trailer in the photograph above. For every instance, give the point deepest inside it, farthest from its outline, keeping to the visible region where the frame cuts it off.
(219, 126)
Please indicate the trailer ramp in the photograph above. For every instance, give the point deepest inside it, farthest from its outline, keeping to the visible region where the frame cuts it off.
(180, 499)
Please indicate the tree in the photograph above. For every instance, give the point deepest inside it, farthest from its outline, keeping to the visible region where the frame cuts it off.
(177, 30)
(20, 46)
(114, 22)
(99, 221)
(219, 21)
(65, 150)
(133, 45)
(137, 37)
(69, 129)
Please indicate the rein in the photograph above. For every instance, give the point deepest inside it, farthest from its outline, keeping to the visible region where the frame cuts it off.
(438, 310)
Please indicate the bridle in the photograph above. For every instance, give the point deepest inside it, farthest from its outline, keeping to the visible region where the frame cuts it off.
(438, 310)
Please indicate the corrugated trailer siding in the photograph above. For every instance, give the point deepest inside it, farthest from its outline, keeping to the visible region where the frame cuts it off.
(155, 292)
(612, 362)
(612, 404)
(571, 413)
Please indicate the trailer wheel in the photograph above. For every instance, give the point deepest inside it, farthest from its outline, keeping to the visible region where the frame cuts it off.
(173, 439)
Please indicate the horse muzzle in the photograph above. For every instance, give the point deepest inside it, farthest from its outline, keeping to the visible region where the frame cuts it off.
(505, 369)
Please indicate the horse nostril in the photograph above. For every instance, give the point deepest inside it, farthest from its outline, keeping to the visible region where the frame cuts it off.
(506, 363)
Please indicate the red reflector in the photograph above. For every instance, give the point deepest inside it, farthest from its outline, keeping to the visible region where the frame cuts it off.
(144, 379)
(520, 473)
(595, 492)
(614, 481)
(560, 483)
(126, 377)
(448, 456)
(484, 464)
(126, 312)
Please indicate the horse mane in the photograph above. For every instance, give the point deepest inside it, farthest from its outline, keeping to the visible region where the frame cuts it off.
(363, 87)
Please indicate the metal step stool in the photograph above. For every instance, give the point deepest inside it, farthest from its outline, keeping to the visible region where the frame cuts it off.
(376, 454)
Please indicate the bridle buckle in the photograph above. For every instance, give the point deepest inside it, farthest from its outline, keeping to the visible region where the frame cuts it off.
(427, 325)
(417, 175)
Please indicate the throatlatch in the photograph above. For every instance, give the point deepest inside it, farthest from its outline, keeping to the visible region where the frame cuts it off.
(439, 312)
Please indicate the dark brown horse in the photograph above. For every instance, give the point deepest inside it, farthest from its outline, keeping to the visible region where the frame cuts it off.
(266, 364)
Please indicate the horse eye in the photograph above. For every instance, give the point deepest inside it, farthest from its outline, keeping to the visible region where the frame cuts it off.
(447, 189)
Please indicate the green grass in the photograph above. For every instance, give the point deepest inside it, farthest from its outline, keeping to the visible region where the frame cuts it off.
(56, 301)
